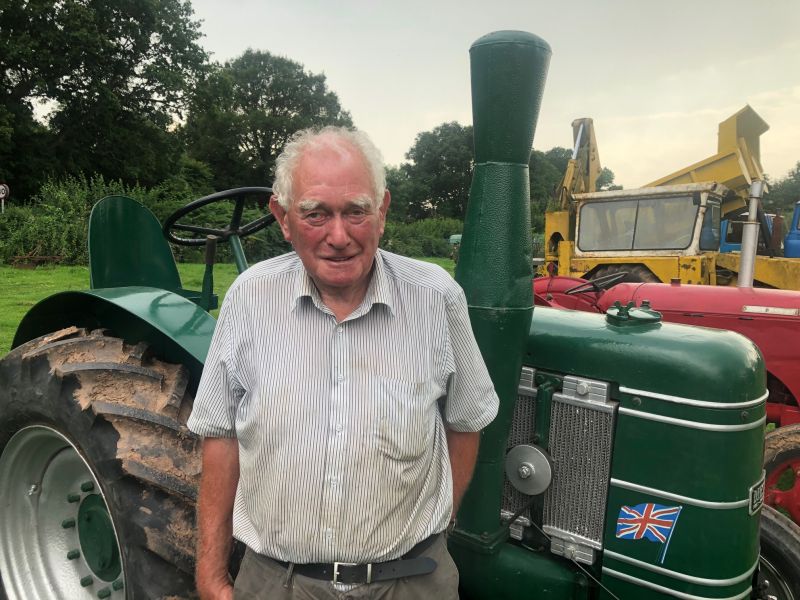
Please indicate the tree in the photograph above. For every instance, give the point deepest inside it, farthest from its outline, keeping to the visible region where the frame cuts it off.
(25, 162)
(605, 181)
(112, 73)
(559, 157)
(437, 180)
(545, 174)
(545, 169)
(784, 193)
(408, 195)
(441, 166)
(243, 113)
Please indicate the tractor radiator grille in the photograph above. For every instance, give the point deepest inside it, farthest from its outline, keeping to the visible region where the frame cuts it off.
(582, 423)
(521, 433)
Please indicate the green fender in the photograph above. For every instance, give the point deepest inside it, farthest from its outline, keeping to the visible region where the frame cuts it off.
(177, 329)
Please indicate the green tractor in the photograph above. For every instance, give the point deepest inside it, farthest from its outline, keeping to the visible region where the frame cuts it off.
(625, 461)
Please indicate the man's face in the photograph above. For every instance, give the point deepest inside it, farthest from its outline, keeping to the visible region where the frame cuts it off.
(332, 221)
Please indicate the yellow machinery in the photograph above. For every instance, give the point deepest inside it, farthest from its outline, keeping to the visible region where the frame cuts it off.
(668, 229)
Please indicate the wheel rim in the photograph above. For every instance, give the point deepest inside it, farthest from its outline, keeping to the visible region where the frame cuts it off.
(57, 538)
(783, 488)
(776, 584)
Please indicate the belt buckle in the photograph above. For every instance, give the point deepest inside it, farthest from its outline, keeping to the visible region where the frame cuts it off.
(336, 566)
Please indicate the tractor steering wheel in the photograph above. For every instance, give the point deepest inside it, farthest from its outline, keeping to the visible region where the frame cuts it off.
(598, 285)
(235, 226)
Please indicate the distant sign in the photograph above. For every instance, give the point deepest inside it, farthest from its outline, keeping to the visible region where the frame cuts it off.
(5, 191)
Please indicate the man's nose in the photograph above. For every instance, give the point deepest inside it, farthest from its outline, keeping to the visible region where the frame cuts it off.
(338, 237)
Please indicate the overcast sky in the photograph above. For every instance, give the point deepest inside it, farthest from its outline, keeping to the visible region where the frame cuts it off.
(656, 77)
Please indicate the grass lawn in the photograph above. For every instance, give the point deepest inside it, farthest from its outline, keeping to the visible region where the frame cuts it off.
(20, 289)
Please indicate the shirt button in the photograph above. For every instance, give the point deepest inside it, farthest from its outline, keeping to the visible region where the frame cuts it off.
(339, 376)
(339, 428)
(334, 481)
(339, 329)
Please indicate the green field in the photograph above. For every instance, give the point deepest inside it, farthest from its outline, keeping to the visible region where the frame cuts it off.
(20, 289)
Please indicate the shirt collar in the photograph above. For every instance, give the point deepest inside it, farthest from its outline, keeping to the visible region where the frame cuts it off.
(378, 292)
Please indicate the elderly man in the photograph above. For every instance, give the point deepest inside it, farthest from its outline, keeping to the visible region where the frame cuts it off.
(341, 400)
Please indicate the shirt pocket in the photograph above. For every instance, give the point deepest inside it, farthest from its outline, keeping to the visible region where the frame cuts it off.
(405, 414)
(277, 414)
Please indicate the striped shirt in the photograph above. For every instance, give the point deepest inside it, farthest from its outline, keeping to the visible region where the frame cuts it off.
(341, 425)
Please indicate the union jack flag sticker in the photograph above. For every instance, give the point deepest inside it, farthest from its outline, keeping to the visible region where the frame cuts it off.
(652, 522)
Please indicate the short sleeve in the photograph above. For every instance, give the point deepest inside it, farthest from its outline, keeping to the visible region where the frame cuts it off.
(472, 402)
(218, 395)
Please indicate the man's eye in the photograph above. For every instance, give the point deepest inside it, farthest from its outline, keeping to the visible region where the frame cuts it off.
(314, 215)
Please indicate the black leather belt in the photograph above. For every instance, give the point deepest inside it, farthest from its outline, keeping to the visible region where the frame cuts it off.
(408, 565)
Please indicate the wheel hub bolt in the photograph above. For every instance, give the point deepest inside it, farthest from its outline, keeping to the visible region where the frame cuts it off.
(73, 554)
(87, 486)
(104, 593)
(525, 470)
(68, 523)
(86, 581)
(117, 585)
(73, 498)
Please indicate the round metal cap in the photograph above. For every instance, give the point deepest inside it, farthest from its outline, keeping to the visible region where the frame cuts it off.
(529, 469)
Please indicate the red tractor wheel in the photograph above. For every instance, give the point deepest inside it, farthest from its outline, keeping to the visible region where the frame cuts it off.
(782, 463)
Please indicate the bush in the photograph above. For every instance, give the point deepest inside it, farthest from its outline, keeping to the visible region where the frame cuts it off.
(426, 237)
(54, 222)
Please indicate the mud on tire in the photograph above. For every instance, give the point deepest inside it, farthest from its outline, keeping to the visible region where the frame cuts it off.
(114, 419)
(782, 464)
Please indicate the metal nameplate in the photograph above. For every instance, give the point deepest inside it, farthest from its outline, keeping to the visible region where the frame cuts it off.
(757, 494)
(771, 310)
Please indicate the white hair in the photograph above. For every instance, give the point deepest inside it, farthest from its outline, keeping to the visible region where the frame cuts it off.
(327, 137)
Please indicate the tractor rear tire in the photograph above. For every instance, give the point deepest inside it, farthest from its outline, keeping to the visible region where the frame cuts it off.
(636, 273)
(782, 466)
(99, 473)
(780, 556)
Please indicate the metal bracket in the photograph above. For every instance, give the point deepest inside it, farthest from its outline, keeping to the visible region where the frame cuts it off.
(527, 382)
(581, 391)
(572, 549)
(516, 529)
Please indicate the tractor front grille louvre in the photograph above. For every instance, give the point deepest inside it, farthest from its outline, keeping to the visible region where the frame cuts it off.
(580, 446)
(521, 433)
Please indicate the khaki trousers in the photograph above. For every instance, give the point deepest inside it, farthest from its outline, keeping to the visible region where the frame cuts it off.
(261, 578)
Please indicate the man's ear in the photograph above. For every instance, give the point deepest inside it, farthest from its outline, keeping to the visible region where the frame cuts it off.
(387, 200)
(280, 216)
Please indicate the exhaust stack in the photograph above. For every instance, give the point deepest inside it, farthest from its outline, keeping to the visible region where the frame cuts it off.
(508, 74)
(747, 260)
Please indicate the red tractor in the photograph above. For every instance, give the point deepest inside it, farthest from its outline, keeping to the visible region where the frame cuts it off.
(769, 317)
